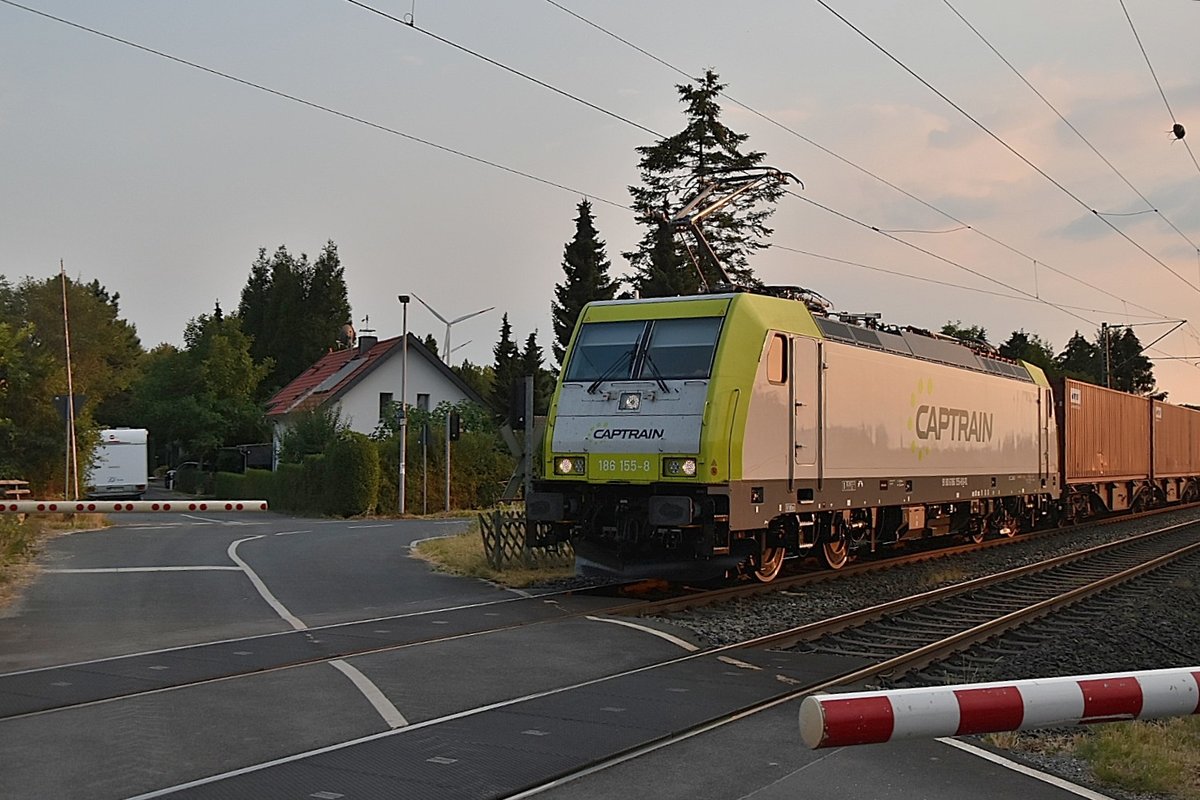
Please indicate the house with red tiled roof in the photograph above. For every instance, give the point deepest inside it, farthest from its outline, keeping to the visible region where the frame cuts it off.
(363, 381)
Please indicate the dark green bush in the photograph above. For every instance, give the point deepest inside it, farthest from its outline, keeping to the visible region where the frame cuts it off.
(351, 476)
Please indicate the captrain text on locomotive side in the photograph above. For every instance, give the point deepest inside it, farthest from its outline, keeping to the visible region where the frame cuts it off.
(720, 433)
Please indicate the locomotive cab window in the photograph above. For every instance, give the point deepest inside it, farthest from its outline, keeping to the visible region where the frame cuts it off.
(680, 349)
(777, 359)
(605, 351)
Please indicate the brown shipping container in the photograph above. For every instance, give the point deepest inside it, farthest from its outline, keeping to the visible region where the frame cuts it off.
(1106, 434)
(1176, 449)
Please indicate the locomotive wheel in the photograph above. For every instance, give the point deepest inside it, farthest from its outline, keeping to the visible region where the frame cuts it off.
(978, 536)
(768, 564)
(835, 551)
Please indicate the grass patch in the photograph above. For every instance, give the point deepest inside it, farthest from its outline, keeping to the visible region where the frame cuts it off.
(1162, 757)
(19, 541)
(462, 554)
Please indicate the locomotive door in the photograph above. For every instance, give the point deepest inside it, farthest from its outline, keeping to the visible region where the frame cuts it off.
(806, 404)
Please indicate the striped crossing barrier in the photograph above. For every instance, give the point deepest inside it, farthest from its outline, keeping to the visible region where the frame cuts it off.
(836, 720)
(121, 506)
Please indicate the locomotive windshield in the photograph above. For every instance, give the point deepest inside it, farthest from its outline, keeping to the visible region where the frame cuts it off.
(661, 349)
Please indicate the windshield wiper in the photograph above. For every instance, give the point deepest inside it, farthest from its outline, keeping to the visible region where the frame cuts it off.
(658, 376)
(612, 370)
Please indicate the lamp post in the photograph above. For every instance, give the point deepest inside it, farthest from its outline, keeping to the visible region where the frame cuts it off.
(403, 298)
(446, 358)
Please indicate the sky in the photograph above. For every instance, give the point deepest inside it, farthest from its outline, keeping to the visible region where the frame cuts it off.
(163, 181)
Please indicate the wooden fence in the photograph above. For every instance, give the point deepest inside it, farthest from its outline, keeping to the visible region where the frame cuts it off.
(508, 540)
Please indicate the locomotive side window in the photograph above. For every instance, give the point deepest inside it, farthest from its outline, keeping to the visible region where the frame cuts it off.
(605, 350)
(680, 348)
(777, 359)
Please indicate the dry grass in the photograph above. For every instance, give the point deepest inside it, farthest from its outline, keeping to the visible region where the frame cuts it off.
(942, 575)
(462, 554)
(19, 542)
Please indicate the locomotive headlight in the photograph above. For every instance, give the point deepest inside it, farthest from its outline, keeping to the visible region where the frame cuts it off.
(630, 401)
(570, 465)
(679, 467)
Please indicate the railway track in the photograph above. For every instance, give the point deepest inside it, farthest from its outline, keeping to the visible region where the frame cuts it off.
(913, 632)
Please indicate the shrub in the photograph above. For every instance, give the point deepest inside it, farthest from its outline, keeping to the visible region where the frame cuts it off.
(351, 473)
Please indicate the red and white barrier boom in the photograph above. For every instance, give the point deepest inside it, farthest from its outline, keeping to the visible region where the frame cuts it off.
(114, 506)
(835, 720)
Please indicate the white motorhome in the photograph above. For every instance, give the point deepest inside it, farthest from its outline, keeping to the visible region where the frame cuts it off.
(119, 466)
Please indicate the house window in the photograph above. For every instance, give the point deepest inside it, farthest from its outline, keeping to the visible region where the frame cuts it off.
(423, 402)
(385, 405)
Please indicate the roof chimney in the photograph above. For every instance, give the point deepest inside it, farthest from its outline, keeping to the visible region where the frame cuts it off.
(366, 342)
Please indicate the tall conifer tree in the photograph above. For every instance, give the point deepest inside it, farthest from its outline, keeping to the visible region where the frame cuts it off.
(672, 170)
(585, 266)
(506, 367)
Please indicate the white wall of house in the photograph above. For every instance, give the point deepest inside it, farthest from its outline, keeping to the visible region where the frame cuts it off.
(426, 385)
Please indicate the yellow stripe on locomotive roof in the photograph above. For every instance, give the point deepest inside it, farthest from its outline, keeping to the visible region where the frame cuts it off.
(770, 313)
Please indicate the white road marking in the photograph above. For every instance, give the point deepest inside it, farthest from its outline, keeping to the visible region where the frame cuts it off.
(391, 715)
(89, 570)
(262, 587)
(211, 521)
(149, 527)
(675, 640)
(739, 664)
(289, 533)
(1053, 780)
(384, 525)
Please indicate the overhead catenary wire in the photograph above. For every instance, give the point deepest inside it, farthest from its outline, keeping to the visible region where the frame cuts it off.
(1153, 74)
(848, 162)
(317, 106)
(429, 143)
(938, 282)
(409, 23)
(1151, 207)
(544, 84)
(1001, 141)
(363, 121)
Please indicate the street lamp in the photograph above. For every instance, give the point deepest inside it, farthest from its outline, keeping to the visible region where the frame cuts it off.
(403, 298)
(446, 358)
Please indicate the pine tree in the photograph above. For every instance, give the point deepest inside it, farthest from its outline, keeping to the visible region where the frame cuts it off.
(585, 266)
(506, 368)
(532, 363)
(1080, 359)
(293, 310)
(671, 171)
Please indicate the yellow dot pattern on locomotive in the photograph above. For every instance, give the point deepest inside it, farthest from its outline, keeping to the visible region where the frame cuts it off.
(924, 387)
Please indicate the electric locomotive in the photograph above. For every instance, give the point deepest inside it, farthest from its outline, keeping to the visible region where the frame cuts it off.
(706, 435)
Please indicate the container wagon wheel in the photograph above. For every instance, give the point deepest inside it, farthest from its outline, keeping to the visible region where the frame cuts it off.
(768, 563)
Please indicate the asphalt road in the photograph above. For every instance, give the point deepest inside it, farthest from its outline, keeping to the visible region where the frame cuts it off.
(155, 581)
